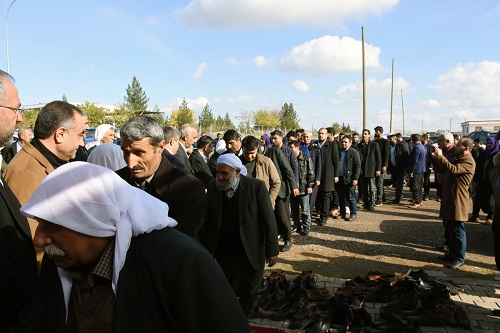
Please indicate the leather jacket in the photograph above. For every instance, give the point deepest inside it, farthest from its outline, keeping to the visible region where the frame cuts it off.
(306, 173)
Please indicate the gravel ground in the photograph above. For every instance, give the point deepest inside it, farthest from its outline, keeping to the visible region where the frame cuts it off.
(393, 238)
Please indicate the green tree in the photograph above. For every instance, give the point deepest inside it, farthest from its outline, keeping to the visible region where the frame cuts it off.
(136, 99)
(336, 127)
(157, 115)
(64, 98)
(97, 115)
(185, 114)
(206, 118)
(288, 116)
(266, 119)
(120, 115)
(228, 124)
(29, 118)
(219, 123)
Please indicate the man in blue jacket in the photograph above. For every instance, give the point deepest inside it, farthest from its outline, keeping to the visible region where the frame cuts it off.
(416, 169)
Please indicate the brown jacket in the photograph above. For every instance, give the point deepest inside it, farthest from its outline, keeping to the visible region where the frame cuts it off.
(455, 201)
(265, 170)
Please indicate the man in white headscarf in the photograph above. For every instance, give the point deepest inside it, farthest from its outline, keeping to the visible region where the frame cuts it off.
(104, 133)
(241, 229)
(114, 263)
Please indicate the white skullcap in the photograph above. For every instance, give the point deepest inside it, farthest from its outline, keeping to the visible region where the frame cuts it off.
(107, 155)
(100, 131)
(95, 201)
(232, 161)
(220, 148)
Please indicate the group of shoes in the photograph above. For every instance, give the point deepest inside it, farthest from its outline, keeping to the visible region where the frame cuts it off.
(413, 299)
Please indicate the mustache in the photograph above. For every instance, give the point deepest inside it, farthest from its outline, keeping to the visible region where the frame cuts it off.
(53, 250)
(137, 167)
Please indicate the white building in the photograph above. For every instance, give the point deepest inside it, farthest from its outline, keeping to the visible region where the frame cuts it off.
(491, 126)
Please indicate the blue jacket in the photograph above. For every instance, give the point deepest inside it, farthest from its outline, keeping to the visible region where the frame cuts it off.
(417, 159)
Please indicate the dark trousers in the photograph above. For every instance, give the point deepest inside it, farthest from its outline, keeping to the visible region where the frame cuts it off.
(334, 203)
(347, 196)
(496, 246)
(324, 200)
(379, 184)
(482, 200)
(427, 182)
(368, 187)
(400, 178)
(416, 187)
(243, 278)
(282, 215)
(312, 200)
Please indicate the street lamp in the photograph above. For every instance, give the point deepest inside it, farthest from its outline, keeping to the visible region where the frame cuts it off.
(85, 83)
(6, 33)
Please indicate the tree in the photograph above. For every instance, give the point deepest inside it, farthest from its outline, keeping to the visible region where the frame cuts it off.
(206, 118)
(29, 118)
(246, 119)
(228, 124)
(64, 98)
(336, 127)
(288, 117)
(346, 129)
(157, 115)
(266, 119)
(219, 123)
(97, 115)
(136, 99)
(185, 115)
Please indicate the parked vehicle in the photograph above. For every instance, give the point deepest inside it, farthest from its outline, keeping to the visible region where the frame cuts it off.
(90, 135)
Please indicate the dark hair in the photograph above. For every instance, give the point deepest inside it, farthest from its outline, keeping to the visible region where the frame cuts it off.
(355, 133)
(300, 130)
(330, 130)
(467, 142)
(291, 133)
(478, 140)
(231, 134)
(294, 143)
(367, 130)
(141, 127)
(399, 135)
(250, 143)
(54, 115)
(379, 129)
(347, 137)
(415, 137)
(277, 132)
(204, 141)
(456, 136)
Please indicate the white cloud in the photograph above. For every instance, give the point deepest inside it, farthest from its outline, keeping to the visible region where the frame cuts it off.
(431, 103)
(330, 54)
(277, 13)
(374, 87)
(472, 85)
(194, 104)
(239, 99)
(199, 70)
(153, 21)
(232, 61)
(260, 61)
(301, 86)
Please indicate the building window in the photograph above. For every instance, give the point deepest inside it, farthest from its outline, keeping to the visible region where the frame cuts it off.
(479, 128)
(497, 128)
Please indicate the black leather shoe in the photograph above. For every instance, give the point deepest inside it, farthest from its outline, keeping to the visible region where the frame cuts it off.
(304, 232)
(286, 246)
(321, 221)
(294, 228)
(352, 218)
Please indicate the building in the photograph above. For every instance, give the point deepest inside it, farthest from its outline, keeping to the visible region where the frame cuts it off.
(491, 126)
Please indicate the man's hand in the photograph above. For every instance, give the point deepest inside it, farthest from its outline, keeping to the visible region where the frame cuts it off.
(354, 182)
(384, 169)
(336, 179)
(436, 151)
(295, 192)
(309, 190)
(271, 261)
(377, 173)
(317, 183)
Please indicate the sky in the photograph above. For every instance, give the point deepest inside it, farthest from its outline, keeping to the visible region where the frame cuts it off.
(247, 55)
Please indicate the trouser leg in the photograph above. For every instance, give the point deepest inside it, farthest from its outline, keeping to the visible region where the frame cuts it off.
(282, 215)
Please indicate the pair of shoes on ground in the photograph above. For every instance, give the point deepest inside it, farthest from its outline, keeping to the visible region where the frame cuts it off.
(415, 205)
(451, 262)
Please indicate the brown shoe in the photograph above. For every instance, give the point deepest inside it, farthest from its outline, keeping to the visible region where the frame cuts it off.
(415, 205)
(488, 222)
(473, 219)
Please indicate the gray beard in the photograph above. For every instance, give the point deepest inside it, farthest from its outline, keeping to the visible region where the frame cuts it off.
(53, 250)
(226, 186)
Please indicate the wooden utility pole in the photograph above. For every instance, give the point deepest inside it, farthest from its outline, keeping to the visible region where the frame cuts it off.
(403, 109)
(364, 75)
(392, 93)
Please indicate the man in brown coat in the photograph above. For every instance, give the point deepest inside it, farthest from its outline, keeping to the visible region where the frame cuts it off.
(455, 201)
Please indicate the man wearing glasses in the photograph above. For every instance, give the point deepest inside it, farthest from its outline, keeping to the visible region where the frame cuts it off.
(59, 130)
(17, 257)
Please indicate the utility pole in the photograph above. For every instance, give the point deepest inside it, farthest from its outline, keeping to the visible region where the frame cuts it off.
(392, 93)
(403, 109)
(364, 75)
(6, 12)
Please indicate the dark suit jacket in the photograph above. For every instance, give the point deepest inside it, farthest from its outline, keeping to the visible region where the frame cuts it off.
(371, 161)
(184, 194)
(177, 162)
(315, 153)
(329, 166)
(288, 182)
(8, 152)
(401, 155)
(19, 273)
(181, 154)
(417, 163)
(352, 166)
(200, 168)
(258, 230)
(385, 150)
(169, 283)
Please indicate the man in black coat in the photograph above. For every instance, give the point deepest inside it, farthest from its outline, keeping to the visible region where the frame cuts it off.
(349, 171)
(188, 137)
(19, 274)
(199, 159)
(241, 230)
(142, 144)
(24, 136)
(315, 154)
(172, 135)
(371, 164)
(385, 148)
(329, 174)
(401, 158)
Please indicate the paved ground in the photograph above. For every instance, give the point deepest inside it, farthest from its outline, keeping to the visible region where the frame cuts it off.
(479, 298)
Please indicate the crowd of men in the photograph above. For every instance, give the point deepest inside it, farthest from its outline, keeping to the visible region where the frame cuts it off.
(136, 230)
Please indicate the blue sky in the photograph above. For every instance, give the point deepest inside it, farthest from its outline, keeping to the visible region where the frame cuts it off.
(247, 55)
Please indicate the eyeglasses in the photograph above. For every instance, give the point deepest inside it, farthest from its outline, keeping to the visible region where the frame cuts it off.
(18, 110)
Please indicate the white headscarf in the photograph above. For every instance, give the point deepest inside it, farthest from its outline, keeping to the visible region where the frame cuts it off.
(95, 201)
(220, 147)
(108, 155)
(233, 161)
(99, 133)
